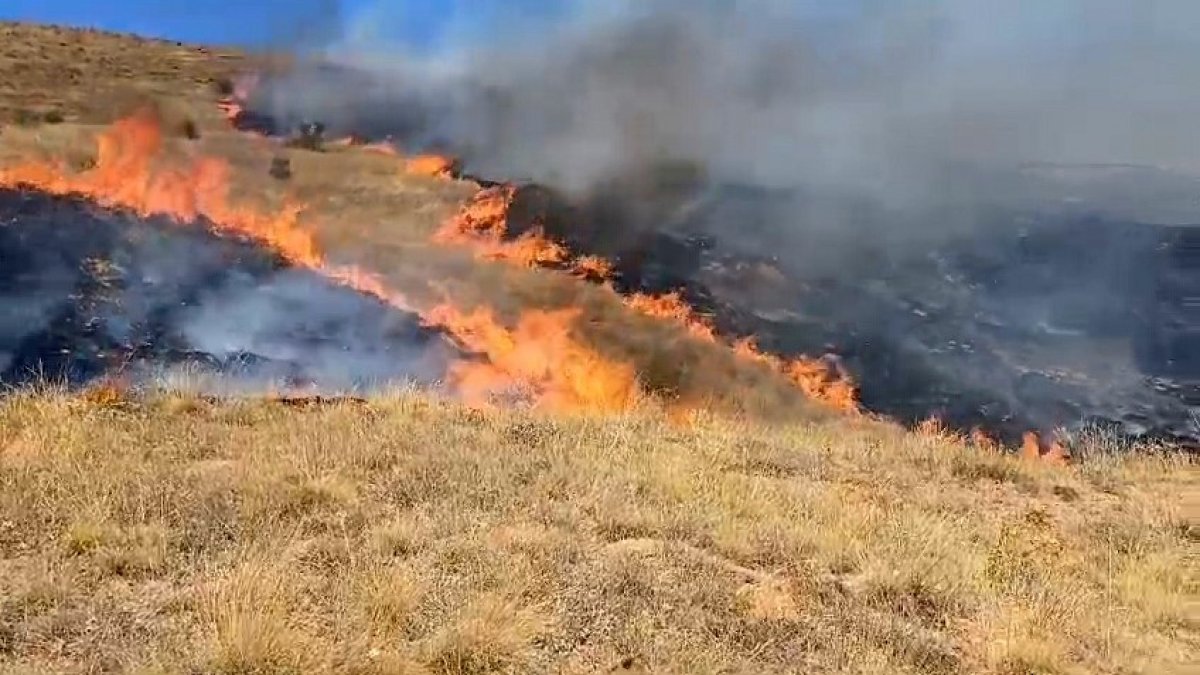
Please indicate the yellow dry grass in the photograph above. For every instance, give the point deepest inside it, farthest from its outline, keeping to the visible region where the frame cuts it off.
(56, 74)
(173, 534)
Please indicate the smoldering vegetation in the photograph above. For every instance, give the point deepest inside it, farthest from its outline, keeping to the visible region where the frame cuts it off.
(88, 293)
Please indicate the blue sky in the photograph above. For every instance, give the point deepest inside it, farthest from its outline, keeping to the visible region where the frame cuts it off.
(267, 22)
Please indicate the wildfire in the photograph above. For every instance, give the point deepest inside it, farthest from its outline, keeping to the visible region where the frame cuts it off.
(482, 225)
(538, 358)
(1034, 449)
(672, 307)
(127, 174)
(435, 166)
(232, 105)
(231, 109)
(594, 268)
(821, 379)
(538, 353)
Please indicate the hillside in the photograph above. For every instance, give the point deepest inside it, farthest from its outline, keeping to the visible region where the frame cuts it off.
(673, 502)
(402, 535)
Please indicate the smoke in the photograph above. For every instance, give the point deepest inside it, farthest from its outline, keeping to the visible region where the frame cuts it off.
(883, 97)
(300, 327)
(921, 171)
(85, 292)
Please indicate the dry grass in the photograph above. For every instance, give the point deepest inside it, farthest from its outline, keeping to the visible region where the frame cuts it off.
(413, 536)
(50, 74)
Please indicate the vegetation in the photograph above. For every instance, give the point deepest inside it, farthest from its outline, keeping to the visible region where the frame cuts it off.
(407, 535)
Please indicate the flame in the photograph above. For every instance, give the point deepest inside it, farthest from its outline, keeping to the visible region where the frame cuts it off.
(594, 268)
(434, 166)
(354, 141)
(983, 440)
(231, 109)
(126, 175)
(538, 358)
(1053, 453)
(672, 307)
(933, 427)
(482, 224)
(233, 105)
(821, 379)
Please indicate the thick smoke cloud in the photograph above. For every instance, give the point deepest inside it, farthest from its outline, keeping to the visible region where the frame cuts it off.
(886, 97)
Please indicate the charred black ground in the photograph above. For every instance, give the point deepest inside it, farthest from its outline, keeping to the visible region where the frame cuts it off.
(1021, 322)
(86, 292)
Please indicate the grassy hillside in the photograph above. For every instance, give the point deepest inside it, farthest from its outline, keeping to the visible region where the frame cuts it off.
(403, 535)
(48, 73)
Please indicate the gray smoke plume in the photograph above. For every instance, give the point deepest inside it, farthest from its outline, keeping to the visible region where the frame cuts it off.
(889, 97)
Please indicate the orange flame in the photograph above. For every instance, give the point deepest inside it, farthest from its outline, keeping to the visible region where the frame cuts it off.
(672, 307)
(538, 358)
(434, 166)
(593, 267)
(125, 176)
(983, 441)
(1053, 453)
(231, 109)
(482, 224)
(243, 87)
(821, 379)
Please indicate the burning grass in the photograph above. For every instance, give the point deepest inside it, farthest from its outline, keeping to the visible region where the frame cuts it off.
(542, 352)
(401, 534)
(481, 226)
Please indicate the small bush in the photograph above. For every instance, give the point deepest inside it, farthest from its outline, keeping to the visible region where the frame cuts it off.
(223, 86)
(189, 130)
(26, 118)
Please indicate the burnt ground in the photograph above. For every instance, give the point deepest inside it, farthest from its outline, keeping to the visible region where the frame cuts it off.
(1023, 321)
(85, 292)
